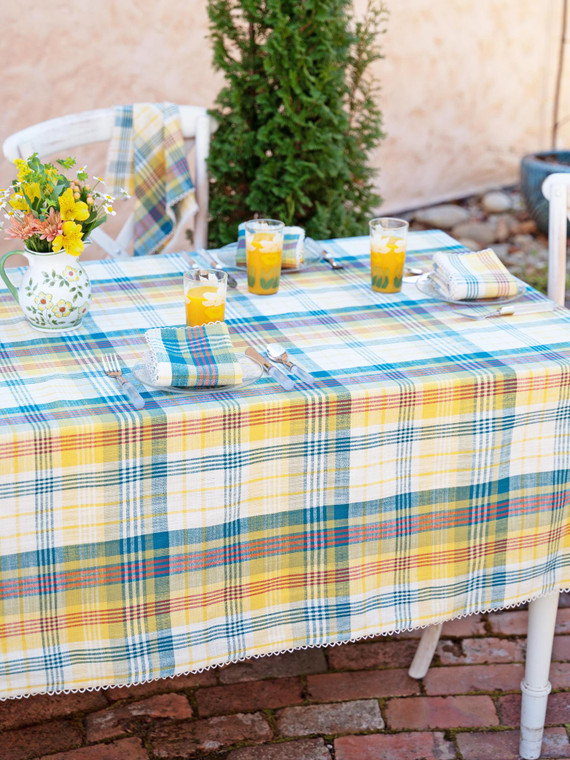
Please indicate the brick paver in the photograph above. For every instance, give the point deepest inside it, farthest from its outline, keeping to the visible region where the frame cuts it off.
(45, 738)
(257, 695)
(504, 745)
(384, 653)
(409, 746)
(190, 738)
(360, 684)
(124, 749)
(473, 678)
(301, 749)
(441, 712)
(478, 651)
(346, 717)
(348, 702)
(107, 724)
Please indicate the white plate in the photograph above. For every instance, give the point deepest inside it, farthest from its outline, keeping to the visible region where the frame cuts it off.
(251, 372)
(426, 285)
(227, 255)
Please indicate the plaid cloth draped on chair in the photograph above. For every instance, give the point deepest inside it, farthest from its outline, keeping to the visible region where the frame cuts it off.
(147, 158)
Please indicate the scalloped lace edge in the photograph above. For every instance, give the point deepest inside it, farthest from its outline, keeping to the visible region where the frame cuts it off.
(392, 632)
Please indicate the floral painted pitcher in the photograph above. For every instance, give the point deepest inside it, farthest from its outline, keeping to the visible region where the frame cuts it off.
(55, 291)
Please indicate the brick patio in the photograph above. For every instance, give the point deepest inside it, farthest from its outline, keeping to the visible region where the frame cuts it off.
(352, 702)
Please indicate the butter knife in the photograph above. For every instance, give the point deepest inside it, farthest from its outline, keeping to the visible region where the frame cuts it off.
(280, 377)
(217, 264)
(510, 311)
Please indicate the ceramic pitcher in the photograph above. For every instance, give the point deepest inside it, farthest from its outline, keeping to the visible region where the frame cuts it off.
(55, 291)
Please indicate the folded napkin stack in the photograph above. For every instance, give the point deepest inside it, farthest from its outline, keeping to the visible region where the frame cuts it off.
(471, 276)
(293, 247)
(200, 356)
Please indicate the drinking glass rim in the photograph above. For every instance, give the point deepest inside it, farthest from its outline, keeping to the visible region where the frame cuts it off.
(193, 274)
(389, 222)
(272, 223)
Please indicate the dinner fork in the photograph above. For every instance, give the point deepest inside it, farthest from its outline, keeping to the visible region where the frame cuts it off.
(112, 369)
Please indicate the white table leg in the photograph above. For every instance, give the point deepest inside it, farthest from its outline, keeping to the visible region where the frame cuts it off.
(535, 685)
(424, 652)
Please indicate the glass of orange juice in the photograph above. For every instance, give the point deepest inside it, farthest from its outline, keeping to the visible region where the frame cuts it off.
(205, 296)
(388, 237)
(263, 250)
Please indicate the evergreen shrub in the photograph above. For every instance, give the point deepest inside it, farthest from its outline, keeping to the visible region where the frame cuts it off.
(298, 115)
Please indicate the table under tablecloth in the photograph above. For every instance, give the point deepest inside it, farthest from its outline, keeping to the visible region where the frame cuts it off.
(424, 477)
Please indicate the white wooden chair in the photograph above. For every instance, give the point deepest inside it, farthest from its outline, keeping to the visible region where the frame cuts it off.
(556, 189)
(59, 135)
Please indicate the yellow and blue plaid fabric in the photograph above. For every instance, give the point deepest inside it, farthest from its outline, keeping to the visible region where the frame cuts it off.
(192, 356)
(425, 476)
(147, 158)
(473, 275)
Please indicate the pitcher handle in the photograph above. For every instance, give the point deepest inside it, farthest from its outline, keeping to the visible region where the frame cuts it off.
(5, 277)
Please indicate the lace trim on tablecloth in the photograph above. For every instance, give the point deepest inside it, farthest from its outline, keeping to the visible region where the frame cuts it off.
(440, 621)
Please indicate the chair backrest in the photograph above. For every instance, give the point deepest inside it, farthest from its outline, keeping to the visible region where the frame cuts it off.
(556, 189)
(57, 135)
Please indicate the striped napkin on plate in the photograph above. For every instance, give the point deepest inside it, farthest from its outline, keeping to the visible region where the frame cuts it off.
(147, 157)
(200, 356)
(471, 276)
(293, 247)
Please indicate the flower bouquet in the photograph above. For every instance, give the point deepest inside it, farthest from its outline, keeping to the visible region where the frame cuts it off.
(53, 216)
(51, 212)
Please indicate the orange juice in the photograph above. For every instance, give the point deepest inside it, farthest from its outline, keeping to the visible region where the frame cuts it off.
(387, 256)
(263, 251)
(204, 304)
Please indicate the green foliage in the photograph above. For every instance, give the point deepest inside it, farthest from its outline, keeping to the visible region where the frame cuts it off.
(298, 115)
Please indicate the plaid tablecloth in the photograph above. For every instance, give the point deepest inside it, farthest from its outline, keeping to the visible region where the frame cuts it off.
(424, 477)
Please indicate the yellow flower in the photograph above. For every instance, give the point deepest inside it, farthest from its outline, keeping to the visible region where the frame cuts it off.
(62, 308)
(32, 190)
(19, 203)
(51, 174)
(70, 241)
(23, 169)
(72, 209)
(43, 300)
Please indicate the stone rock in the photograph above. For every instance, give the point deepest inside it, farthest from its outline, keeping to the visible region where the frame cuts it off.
(472, 245)
(444, 217)
(527, 227)
(524, 242)
(502, 250)
(482, 233)
(496, 202)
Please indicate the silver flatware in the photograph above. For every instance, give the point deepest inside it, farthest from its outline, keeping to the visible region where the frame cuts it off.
(215, 262)
(278, 354)
(326, 256)
(112, 369)
(323, 254)
(510, 311)
(273, 371)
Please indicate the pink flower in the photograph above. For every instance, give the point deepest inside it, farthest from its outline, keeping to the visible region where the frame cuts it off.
(50, 227)
(22, 228)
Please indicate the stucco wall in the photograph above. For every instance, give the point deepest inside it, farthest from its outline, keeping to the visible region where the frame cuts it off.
(467, 85)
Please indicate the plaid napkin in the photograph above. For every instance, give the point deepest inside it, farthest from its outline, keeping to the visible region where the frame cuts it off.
(200, 356)
(147, 157)
(293, 247)
(470, 276)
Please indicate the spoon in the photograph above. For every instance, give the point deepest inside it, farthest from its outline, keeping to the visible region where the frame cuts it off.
(278, 354)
